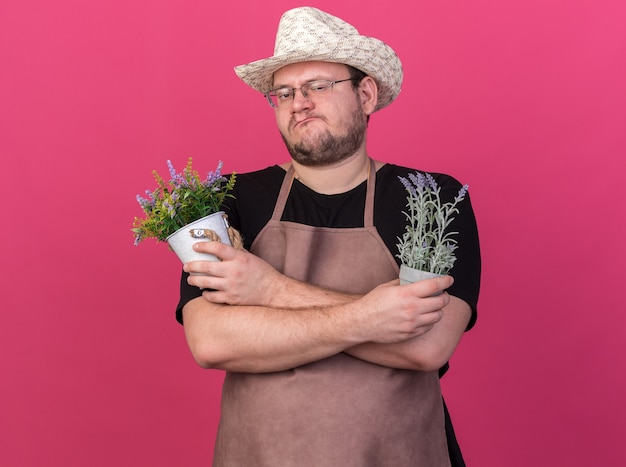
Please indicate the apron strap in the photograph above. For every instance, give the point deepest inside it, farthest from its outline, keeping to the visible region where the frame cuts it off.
(368, 215)
(285, 188)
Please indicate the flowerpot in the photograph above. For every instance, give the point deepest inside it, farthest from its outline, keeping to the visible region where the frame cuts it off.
(409, 275)
(213, 227)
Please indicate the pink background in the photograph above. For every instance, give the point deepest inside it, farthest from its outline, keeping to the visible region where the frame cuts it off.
(523, 100)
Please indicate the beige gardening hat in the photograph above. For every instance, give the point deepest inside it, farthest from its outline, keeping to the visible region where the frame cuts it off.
(307, 34)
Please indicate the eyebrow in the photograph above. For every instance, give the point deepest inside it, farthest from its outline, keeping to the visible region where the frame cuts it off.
(281, 86)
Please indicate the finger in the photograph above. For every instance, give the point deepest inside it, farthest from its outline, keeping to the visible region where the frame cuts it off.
(219, 249)
(423, 330)
(435, 317)
(432, 287)
(207, 268)
(435, 303)
(206, 282)
(216, 296)
(212, 296)
(428, 321)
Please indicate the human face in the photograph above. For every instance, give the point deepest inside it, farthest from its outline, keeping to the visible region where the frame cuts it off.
(326, 129)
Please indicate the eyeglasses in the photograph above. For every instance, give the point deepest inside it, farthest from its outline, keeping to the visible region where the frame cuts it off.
(282, 97)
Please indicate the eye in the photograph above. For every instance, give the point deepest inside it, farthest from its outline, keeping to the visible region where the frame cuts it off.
(283, 94)
(318, 86)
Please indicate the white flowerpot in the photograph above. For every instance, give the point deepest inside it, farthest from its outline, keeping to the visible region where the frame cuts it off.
(409, 275)
(213, 227)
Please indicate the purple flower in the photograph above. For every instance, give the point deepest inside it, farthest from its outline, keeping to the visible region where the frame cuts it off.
(142, 201)
(170, 167)
(431, 181)
(214, 177)
(171, 209)
(408, 186)
(178, 180)
(418, 181)
(147, 204)
(461, 194)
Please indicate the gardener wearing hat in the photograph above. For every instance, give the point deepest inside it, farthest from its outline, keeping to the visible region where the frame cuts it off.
(329, 362)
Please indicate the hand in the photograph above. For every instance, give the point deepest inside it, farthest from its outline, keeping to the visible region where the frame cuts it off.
(240, 278)
(393, 313)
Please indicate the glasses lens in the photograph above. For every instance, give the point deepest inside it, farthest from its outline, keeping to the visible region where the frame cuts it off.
(317, 87)
(283, 96)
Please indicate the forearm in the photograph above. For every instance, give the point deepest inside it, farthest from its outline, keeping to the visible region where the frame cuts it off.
(427, 352)
(293, 294)
(259, 339)
(262, 338)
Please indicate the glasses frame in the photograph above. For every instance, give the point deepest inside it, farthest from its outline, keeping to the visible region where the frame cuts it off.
(302, 90)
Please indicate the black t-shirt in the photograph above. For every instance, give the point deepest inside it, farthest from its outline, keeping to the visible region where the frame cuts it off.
(255, 195)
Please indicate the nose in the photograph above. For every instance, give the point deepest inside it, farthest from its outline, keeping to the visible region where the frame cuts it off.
(300, 101)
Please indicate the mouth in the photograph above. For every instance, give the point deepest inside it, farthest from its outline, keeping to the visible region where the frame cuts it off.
(304, 121)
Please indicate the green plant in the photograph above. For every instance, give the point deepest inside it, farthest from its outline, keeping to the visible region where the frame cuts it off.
(179, 201)
(427, 244)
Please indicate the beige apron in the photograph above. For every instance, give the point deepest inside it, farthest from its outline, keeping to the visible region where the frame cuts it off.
(340, 411)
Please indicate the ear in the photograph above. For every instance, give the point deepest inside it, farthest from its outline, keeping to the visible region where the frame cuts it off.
(368, 92)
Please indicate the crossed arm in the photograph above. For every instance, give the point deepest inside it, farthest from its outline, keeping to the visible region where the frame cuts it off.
(258, 320)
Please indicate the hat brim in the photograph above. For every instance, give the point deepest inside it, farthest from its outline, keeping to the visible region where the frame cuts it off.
(370, 55)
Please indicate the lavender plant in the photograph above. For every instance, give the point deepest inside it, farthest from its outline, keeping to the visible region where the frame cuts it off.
(427, 244)
(180, 201)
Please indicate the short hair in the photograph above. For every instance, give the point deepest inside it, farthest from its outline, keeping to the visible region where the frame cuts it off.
(356, 76)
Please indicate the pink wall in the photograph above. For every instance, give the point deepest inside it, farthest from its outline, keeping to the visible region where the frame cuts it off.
(525, 101)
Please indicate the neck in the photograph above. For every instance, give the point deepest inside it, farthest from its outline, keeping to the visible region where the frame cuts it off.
(335, 178)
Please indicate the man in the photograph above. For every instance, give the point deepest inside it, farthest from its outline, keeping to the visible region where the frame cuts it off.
(329, 361)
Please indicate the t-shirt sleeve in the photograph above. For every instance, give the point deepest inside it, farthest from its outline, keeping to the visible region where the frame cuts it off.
(467, 267)
(187, 293)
